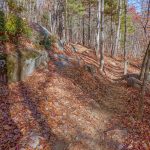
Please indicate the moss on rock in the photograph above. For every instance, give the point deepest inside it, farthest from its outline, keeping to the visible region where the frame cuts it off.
(26, 54)
(12, 68)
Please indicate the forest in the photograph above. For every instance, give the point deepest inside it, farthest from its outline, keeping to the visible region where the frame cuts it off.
(74, 74)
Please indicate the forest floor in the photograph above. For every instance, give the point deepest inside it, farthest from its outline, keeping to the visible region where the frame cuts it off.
(65, 107)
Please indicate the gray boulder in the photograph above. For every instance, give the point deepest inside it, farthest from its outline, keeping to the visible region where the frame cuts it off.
(32, 140)
(30, 61)
(12, 67)
(40, 29)
(28, 68)
(60, 45)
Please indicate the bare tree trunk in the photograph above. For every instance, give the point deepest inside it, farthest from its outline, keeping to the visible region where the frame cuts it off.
(102, 37)
(145, 32)
(66, 20)
(70, 31)
(144, 64)
(118, 29)
(89, 26)
(80, 32)
(111, 35)
(98, 29)
(146, 73)
(54, 18)
(125, 32)
(83, 31)
(60, 24)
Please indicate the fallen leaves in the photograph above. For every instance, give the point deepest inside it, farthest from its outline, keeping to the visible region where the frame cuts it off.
(7, 127)
(71, 107)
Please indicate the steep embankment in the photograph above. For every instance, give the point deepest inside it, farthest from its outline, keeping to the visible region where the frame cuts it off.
(67, 106)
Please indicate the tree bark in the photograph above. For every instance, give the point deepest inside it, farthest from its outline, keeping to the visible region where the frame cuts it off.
(60, 25)
(118, 29)
(102, 37)
(83, 31)
(125, 32)
(98, 29)
(89, 26)
(145, 32)
(146, 73)
(66, 20)
(111, 35)
(144, 63)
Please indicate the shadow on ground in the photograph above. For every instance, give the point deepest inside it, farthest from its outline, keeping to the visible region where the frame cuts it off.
(10, 134)
(31, 100)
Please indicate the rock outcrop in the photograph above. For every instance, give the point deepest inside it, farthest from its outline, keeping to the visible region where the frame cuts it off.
(30, 60)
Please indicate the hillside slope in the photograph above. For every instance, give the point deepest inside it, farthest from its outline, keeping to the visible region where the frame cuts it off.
(68, 107)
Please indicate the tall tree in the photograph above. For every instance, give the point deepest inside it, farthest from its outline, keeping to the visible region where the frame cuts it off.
(83, 30)
(98, 28)
(111, 30)
(102, 37)
(66, 20)
(89, 26)
(118, 28)
(146, 73)
(145, 32)
(125, 34)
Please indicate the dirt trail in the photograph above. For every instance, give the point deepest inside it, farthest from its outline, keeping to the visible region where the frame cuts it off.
(69, 108)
